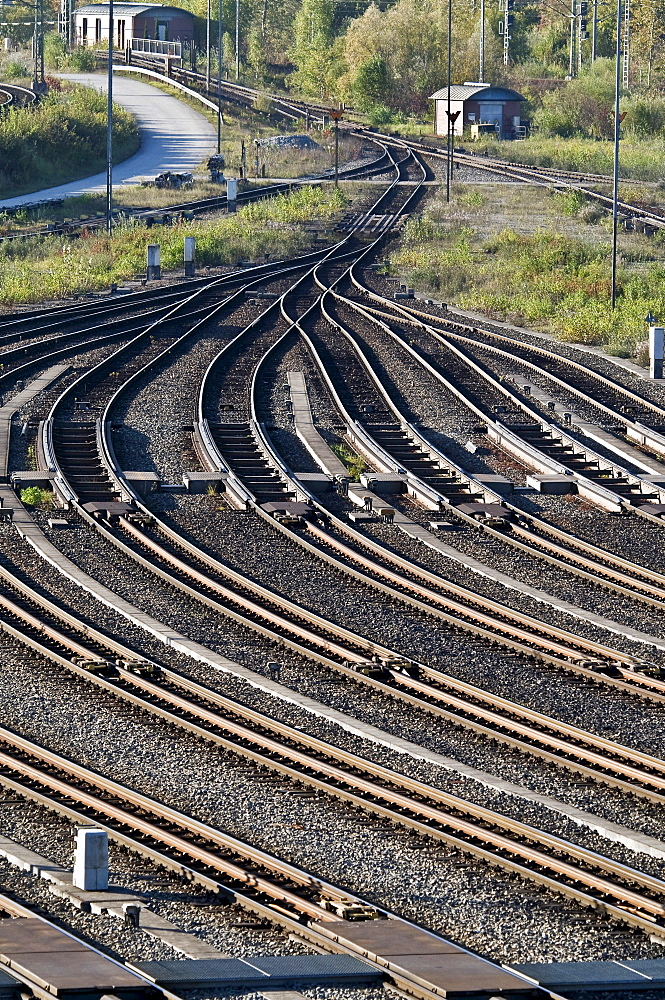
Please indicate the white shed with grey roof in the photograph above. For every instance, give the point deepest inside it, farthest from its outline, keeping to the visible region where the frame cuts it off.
(478, 103)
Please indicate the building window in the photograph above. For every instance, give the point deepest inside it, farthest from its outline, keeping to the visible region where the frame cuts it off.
(98, 29)
(161, 30)
(84, 30)
(121, 34)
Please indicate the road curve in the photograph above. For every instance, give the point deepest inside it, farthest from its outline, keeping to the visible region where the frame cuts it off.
(173, 137)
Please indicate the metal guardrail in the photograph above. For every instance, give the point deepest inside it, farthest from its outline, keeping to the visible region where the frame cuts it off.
(156, 47)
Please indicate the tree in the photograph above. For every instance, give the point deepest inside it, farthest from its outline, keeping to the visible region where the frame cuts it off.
(584, 106)
(313, 50)
(371, 84)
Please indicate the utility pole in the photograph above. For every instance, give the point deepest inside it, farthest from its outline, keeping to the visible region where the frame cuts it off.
(220, 56)
(573, 37)
(583, 33)
(507, 26)
(39, 46)
(594, 31)
(617, 132)
(450, 58)
(481, 73)
(626, 44)
(109, 129)
(237, 39)
(336, 114)
(208, 47)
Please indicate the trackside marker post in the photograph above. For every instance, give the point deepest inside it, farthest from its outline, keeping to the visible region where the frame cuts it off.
(656, 350)
(231, 193)
(91, 859)
(190, 256)
(154, 259)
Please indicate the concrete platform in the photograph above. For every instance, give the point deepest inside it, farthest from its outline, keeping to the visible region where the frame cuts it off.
(60, 964)
(430, 961)
(553, 485)
(110, 901)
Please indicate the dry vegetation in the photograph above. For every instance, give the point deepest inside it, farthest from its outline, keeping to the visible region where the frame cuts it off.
(538, 260)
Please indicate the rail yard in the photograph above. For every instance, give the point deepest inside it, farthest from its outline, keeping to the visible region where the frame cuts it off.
(340, 615)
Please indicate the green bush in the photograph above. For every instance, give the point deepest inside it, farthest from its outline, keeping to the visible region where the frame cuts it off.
(61, 138)
(55, 50)
(83, 60)
(15, 69)
(354, 463)
(35, 496)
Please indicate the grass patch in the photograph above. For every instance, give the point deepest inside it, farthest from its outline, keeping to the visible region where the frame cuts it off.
(61, 138)
(536, 269)
(639, 159)
(354, 463)
(32, 270)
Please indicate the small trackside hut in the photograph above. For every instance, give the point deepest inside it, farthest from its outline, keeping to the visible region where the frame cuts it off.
(489, 108)
(154, 21)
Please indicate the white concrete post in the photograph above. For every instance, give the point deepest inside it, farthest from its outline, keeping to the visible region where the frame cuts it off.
(190, 256)
(91, 859)
(656, 345)
(231, 193)
(154, 262)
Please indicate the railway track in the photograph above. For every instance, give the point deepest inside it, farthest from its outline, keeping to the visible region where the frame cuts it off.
(621, 892)
(81, 456)
(292, 110)
(30, 616)
(532, 534)
(329, 916)
(631, 415)
(154, 553)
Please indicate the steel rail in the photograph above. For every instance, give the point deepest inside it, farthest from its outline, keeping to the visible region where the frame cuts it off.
(559, 864)
(404, 794)
(631, 770)
(304, 905)
(505, 612)
(633, 588)
(598, 491)
(613, 571)
(464, 703)
(478, 347)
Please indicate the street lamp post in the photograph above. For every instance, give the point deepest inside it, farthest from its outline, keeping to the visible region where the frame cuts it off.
(109, 129)
(220, 56)
(617, 133)
(450, 56)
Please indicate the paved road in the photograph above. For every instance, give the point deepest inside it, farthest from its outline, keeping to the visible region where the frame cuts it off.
(173, 137)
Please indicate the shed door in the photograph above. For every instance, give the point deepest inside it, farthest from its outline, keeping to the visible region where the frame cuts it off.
(491, 113)
(161, 30)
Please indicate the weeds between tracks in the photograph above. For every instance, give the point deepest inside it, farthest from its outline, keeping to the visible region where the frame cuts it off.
(48, 267)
